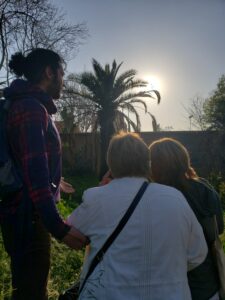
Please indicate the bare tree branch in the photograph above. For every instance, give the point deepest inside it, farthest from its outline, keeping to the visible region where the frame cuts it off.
(27, 24)
(196, 113)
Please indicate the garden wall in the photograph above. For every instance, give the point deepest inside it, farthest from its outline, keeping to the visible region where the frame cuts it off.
(207, 149)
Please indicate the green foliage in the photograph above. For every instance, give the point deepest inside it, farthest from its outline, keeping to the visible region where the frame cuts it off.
(65, 207)
(80, 183)
(65, 268)
(214, 107)
(222, 193)
(218, 182)
(5, 283)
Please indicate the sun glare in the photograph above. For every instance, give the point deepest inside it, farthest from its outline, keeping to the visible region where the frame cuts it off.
(153, 83)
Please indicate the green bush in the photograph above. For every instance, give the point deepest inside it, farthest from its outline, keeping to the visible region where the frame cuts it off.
(218, 182)
(5, 282)
(80, 183)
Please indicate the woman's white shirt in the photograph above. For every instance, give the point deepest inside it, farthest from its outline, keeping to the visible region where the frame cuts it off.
(150, 257)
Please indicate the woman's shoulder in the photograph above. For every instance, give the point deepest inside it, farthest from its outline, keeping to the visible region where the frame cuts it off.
(97, 192)
(165, 189)
(202, 196)
(201, 187)
(201, 183)
(167, 195)
(116, 187)
(92, 191)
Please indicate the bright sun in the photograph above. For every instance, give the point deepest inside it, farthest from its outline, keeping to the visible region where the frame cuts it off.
(153, 82)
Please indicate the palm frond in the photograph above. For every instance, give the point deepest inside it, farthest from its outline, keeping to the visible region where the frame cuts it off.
(136, 100)
(125, 76)
(130, 108)
(129, 84)
(130, 96)
(93, 85)
(157, 95)
(155, 125)
(86, 95)
(114, 71)
(119, 122)
(98, 70)
(89, 81)
(136, 127)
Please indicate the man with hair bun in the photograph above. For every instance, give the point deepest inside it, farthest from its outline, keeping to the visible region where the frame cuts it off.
(30, 215)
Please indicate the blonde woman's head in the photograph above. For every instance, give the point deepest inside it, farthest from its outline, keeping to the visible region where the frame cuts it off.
(128, 156)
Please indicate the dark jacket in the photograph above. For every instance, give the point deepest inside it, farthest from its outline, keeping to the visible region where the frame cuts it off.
(36, 148)
(205, 203)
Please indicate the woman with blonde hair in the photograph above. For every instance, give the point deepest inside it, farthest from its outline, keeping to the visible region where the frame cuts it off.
(170, 165)
(150, 256)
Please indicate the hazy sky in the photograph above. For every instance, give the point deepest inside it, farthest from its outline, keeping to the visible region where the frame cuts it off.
(180, 44)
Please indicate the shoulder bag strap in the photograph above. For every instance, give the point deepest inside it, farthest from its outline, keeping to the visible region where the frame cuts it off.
(99, 256)
(215, 227)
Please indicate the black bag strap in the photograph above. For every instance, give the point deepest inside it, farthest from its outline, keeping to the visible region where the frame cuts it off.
(99, 256)
(216, 230)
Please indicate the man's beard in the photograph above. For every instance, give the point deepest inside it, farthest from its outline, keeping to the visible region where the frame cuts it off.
(54, 88)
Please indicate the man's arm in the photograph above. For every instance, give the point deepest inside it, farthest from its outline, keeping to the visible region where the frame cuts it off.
(32, 131)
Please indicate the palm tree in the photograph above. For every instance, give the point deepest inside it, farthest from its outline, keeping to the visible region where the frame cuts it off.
(112, 97)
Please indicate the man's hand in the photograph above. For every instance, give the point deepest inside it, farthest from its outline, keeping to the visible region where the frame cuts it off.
(66, 187)
(75, 239)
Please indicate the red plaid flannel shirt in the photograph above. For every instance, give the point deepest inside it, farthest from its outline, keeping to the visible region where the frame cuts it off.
(36, 147)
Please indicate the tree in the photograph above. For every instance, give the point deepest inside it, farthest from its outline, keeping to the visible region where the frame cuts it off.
(75, 112)
(214, 107)
(113, 98)
(196, 113)
(25, 25)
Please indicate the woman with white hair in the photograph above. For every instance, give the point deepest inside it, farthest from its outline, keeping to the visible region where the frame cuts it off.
(161, 240)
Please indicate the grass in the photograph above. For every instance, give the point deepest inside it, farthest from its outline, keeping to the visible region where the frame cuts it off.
(65, 269)
(5, 284)
(65, 263)
(80, 183)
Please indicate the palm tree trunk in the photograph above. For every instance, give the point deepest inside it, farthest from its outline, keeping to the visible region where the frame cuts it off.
(106, 132)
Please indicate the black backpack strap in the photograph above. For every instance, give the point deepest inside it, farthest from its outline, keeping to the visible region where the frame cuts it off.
(99, 256)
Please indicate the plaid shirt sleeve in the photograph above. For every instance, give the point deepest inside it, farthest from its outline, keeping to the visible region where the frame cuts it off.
(30, 133)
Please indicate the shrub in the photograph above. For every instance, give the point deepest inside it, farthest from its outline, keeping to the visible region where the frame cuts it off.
(5, 281)
(218, 182)
(80, 183)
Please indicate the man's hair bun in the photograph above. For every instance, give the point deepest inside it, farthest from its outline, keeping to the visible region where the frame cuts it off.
(17, 64)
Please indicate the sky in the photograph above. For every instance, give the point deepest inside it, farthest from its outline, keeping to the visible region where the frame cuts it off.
(178, 45)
